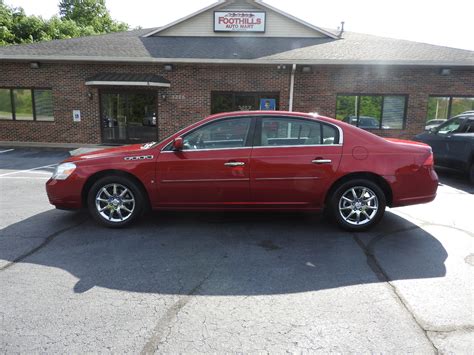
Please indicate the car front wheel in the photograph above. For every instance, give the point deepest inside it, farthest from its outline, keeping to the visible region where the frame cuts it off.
(357, 205)
(115, 201)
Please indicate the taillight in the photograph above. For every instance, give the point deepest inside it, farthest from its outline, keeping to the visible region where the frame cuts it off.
(429, 162)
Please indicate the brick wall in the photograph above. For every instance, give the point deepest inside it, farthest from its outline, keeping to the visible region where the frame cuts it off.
(189, 98)
(316, 92)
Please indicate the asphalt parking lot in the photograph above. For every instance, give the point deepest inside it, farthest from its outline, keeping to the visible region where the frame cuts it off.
(221, 282)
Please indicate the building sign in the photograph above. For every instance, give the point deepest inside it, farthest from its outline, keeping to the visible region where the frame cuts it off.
(268, 104)
(239, 21)
(76, 115)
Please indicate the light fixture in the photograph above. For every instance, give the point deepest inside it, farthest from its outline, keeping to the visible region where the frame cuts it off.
(445, 71)
(168, 67)
(34, 65)
(90, 95)
(164, 97)
(307, 69)
(281, 67)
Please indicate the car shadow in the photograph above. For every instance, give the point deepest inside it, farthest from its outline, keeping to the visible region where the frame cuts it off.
(228, 253)
(455, 180)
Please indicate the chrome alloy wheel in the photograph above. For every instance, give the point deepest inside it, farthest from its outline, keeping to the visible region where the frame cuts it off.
(115, 202)
(358, 205)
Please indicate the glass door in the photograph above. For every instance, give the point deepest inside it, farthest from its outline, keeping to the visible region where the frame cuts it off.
(128, 117)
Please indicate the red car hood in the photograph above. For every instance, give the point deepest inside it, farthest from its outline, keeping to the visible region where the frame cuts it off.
(109, 152)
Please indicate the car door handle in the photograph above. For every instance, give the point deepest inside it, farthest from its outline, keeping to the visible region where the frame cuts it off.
(234, 163)
(322, 161)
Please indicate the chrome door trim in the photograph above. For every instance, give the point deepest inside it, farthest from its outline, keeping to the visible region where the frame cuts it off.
(205, 180)
(289, 178)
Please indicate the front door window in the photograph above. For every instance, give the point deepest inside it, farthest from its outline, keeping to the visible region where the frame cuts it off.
(129, 117)
(231, 133)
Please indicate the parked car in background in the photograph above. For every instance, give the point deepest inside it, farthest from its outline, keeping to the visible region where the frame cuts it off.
(433, 123)
(453, 143)
(365, 122)
(257, 160)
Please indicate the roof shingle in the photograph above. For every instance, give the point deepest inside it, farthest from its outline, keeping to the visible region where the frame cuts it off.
(353, 48)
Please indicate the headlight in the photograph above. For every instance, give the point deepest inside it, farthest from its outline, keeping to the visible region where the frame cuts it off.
(63, 171)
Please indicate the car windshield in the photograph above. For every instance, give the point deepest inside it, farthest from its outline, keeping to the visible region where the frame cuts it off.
(450, 126)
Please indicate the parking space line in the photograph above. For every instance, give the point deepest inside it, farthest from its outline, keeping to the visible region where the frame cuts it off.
(25, 177)
(6, 151)
(39, 172)
(27, 170)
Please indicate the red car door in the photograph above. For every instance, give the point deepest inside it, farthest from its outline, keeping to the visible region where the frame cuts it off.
(293, 161)
(211, 170)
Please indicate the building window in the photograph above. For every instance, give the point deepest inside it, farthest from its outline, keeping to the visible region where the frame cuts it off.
(240, 101)
(372, 111)
(23, 102)
(26, 104)
(43, 105)
(443, 107)
(6, 112)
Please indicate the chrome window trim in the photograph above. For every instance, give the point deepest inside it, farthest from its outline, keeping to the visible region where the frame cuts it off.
(255, 147)
(340, 144)
(204, 150)
(297, 146)
(313, 117)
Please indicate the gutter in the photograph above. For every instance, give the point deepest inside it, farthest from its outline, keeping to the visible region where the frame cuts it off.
(131, 60)
(292, 87)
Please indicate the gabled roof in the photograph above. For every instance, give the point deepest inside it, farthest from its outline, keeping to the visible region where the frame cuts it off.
(132, 47)
(257, 3)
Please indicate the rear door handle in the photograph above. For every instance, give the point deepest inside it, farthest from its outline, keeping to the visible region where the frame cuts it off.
(234, 163)
(322, 161)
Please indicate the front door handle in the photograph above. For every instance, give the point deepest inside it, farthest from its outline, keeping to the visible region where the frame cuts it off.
(322, 161)
(235, 163)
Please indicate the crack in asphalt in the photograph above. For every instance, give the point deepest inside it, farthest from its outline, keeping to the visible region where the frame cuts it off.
(158, 333)
(47, 240)
(466, 328)
(383, 276)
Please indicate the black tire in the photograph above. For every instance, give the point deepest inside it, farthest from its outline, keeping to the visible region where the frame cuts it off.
(119, 211)
(471, 174)
(369, 206)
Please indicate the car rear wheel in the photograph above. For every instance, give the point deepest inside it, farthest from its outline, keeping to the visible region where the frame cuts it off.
(115, 201)
(357, 205)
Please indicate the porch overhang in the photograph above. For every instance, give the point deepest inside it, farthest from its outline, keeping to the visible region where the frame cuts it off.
(124, 79)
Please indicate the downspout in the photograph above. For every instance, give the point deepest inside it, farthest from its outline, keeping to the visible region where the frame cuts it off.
(292, 87)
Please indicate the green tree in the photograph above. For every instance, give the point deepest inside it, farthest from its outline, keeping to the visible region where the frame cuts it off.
(77, 18)
(92, 13)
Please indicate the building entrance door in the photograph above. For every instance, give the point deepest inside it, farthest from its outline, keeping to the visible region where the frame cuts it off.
(128, 117)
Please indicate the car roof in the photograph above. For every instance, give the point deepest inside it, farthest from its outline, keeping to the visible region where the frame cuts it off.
(289, 114)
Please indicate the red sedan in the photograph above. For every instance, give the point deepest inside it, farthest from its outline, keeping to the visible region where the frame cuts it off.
(270, 160)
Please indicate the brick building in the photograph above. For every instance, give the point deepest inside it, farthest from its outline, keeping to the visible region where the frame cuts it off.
(143, 85)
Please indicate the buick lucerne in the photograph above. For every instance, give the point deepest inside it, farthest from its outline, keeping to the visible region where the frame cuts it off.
(260, 160)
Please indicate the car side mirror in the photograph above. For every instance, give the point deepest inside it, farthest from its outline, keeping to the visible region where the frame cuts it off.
(178, 144)
(433, 130)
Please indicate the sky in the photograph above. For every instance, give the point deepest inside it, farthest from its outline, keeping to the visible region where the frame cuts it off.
(440, 22)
